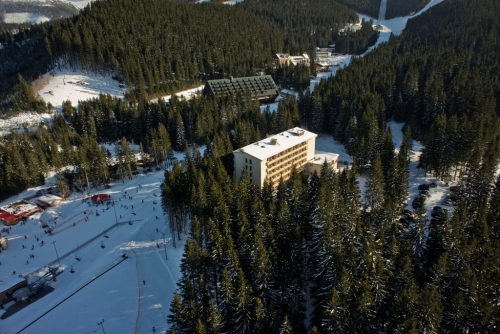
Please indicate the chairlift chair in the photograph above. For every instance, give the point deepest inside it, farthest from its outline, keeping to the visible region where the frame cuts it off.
(102, 245)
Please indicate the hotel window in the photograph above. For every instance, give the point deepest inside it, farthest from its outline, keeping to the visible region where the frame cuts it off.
(250, 174)
(246, 161)
(250, 161)
(250, 167)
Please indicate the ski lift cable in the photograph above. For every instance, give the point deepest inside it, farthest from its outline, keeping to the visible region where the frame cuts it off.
(109, 233)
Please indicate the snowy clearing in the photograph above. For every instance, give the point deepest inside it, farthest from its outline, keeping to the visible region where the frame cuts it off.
(79, 4)
(187, 94)
(17, 122)
(25, 17)
(75, 86)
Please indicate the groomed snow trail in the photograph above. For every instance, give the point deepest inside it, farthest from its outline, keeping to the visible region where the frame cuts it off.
(383, 8)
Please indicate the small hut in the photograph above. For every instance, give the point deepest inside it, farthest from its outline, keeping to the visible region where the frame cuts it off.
(99, 198)
(49, 200)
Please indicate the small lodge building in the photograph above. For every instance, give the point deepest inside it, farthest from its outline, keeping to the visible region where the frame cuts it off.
(322, 67)
(286, 59)
(262, 88)
(9, 287)
(316, 164)
(14, 212)
(49, 201)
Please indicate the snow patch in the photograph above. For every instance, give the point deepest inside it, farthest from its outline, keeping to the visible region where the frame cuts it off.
(25, 17)
(66, 84)
(17, 122)
(79, 4)
(187, 94)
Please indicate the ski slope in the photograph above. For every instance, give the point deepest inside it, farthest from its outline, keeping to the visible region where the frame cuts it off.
(66, 84)
(119, 296)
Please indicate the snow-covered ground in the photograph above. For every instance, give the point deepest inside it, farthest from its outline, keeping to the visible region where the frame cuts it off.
(417, 176)
(79, 4)
(119, 296)
(187, 94)
(232, 2)
(25, 17)
(17, 122)
(74, 86)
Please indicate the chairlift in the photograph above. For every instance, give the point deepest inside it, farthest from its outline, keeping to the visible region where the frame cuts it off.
(134, 213)
(130, 223)
(102, 245)
(77, 258)
(106, 236)
(72, 270)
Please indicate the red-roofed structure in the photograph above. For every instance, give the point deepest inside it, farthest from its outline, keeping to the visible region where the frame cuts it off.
(99, 197)
(12, 213)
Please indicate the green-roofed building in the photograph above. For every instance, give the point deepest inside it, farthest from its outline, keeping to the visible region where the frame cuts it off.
(262, 87)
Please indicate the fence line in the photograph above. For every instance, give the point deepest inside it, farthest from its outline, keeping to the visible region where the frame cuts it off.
(74, 224)
(66, 221)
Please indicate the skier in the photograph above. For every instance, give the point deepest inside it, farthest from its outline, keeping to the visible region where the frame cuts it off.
(25, 237)
(144, 282)
(157, 228)
(156, 217)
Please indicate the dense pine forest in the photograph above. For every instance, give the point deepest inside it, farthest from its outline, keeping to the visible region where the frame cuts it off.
(440, 77)
(356, 43)
(314, 255)
(395, 8)
(258, 259)
(75, 138)
(167, 46)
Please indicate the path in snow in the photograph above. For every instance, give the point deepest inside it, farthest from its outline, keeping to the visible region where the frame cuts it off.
(383, 8)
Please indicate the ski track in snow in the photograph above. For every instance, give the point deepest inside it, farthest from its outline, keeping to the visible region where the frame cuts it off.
(115, 296)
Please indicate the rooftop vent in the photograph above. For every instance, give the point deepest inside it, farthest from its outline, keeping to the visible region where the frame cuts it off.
(300, 133)
(274, 141)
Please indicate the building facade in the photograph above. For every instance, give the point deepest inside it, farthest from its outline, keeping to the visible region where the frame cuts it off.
(286, 59)
(262, 88)
(316, 164)
(273, 157)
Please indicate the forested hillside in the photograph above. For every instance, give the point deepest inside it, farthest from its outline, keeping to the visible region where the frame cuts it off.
(397, 8)
(440, 77)
(166, 46)
(220, 124)
(357, 42)
(256, 260)
(368, 7)
(394, 9)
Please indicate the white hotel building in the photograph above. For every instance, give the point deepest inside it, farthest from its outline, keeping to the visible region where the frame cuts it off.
(274, 156)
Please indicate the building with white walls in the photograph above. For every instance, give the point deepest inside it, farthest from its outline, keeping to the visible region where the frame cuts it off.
(273, 157)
